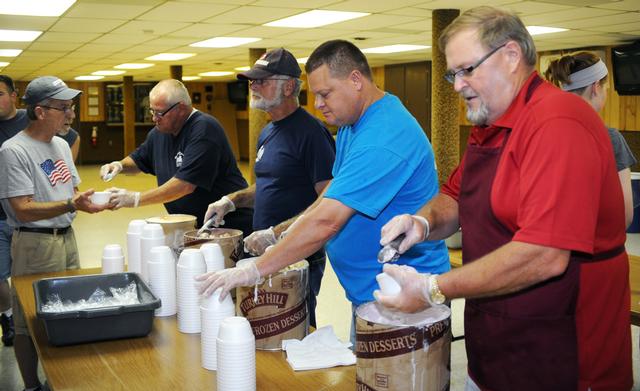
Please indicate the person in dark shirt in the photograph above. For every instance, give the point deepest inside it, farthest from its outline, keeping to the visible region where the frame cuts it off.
(12, 121)
(293, 165)
(190, 156)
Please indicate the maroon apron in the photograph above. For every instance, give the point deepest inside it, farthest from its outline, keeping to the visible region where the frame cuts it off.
(524, 340)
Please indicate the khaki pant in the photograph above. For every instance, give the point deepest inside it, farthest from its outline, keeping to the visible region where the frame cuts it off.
(34, 253)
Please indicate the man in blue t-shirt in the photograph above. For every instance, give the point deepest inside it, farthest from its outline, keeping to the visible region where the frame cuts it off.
(190, 156)
(12, 121)
(384, 166)
(293, 164)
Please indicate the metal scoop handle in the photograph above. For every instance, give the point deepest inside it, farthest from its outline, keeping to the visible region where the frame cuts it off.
(206, 224)
(389, 253)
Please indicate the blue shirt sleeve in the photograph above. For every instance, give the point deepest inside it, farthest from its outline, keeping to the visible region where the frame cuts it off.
(369, 179)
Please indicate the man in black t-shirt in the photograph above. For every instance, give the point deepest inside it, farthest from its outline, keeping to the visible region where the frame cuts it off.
(293, 165)
(190, 156)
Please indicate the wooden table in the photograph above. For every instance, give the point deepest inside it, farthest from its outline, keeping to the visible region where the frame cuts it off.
(164, 360)
(455, 258)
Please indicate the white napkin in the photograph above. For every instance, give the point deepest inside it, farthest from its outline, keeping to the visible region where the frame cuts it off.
(320, 349)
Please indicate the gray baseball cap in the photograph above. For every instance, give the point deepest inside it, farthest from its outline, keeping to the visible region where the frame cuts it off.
(48, 87)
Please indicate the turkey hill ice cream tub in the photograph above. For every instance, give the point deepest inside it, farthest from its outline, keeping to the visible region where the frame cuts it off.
(397, 351)
(276, 308)
(230, 240)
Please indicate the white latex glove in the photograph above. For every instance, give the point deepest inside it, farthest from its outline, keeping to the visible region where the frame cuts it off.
(290, 228)
(220, 208)
(415, 289)
(122, 198)
(109, 171)
(415, 228)
(244, 274)
(258, 241)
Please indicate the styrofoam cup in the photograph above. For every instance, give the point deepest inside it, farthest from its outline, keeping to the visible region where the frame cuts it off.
(213, 256)
(235, 329)
(192, 258)
(112, 264)
(112, 250)
(388, 285)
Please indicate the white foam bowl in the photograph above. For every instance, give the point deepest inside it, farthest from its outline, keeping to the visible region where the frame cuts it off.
(100, 197)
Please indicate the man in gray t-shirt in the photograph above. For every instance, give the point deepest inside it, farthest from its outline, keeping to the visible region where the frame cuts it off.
(38, 191)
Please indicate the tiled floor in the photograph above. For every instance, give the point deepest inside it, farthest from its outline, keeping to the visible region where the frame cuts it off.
(93, 232)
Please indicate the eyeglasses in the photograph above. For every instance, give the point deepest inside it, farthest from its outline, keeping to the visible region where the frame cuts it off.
(66, 109)
(161, 114)
(450, 76)
(260, 82)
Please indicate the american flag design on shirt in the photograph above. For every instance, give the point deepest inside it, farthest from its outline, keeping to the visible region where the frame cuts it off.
(56, 172)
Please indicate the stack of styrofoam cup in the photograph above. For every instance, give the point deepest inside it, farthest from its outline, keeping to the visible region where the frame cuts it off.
(152, 235)
(133, 245)
(236, 355)
(162, 279)
(213, 312)
(190, 264)
(213, 256)
(112, 259)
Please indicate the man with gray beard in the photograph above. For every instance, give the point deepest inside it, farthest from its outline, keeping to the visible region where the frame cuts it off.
(293, 165)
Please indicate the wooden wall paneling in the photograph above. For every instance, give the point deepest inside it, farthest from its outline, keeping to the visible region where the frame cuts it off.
(418, 93)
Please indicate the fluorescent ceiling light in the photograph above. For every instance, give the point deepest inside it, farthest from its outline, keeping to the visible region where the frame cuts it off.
(3, 64)
(189, 78)
(169, 56)
(133, 66)
(303, 60)
(10, 52)
(108, 73)
(224, 42)
(35, 7)
(394, 49)
(89, 77)
(19, 35)
(242, 69)
(216, 73)
(315, 18)
(537, 30)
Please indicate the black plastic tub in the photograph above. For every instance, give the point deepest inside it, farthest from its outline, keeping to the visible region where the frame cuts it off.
(100, 324)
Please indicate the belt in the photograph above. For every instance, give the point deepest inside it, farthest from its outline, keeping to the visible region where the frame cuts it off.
(50, 231)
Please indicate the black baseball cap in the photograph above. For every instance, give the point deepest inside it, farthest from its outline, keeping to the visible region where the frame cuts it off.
(274, 62)
(48, 87)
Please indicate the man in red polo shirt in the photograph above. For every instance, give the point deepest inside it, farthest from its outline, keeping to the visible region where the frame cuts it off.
(537, 196)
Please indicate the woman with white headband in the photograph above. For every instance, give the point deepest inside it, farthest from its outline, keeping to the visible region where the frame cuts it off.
(585, 74)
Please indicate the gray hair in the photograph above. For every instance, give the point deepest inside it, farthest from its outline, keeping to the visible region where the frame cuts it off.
(495, 27)
(31, 109)
(173, 90)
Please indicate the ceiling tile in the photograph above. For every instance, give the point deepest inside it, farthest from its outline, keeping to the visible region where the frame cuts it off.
(411, 11)
(185, 12)
(626, 5)
(253, 15)
(377, 21)
(372, 6)
(16, 22)
(555, 18)
(307, 4)
(67, 37)
(604, 20)
(138, 27)
(202, 31)
(86, 25)
(108, 9)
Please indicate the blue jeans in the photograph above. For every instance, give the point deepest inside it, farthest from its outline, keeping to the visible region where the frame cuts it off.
(317, 262)
(5, 250)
